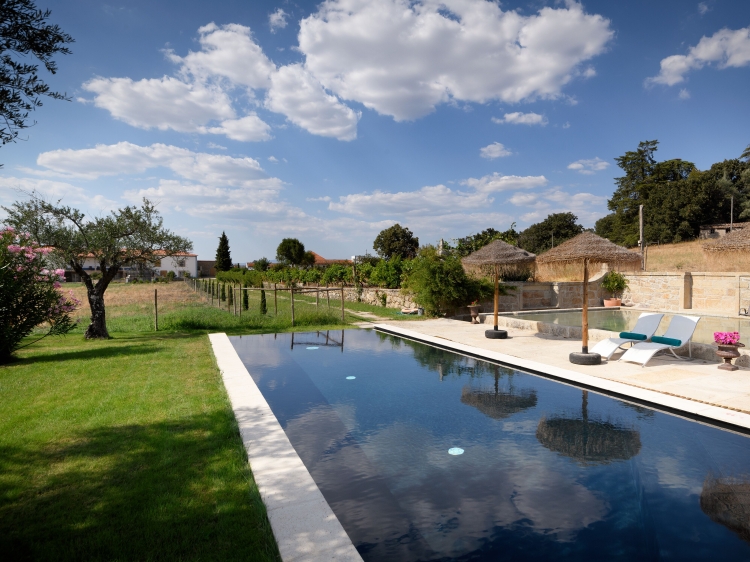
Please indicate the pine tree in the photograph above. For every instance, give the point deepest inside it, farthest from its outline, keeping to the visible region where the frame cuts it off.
(230, 295)
(223, 293)
(263, 307)
(223, 257)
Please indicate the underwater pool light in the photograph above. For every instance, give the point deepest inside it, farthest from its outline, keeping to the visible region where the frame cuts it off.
(455, 451)
(350, 378)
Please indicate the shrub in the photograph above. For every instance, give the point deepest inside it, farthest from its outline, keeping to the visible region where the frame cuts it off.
(440, 283)
(170, 276)
(387, 273)
(615, 283)
(29, 295)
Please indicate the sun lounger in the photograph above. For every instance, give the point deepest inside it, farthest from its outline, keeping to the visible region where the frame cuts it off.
(647, 324)
(679, 333)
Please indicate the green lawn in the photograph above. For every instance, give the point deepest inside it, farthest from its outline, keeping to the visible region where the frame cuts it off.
(127, 449)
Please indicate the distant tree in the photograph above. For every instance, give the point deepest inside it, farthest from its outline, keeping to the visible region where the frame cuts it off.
(396, 241)
(745, 157)
(261, 264)
(223, 257)
(538, 237)
(291, 252)
(308, 259)
(24, 31)
(130, 235)
(465, 246)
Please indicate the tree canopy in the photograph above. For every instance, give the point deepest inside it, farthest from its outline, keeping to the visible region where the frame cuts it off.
(291, 252)
(556, 228)
(24, 32)
(223, 256)
(677, 197)
(128, 236)
(261, 264)
(396, 241)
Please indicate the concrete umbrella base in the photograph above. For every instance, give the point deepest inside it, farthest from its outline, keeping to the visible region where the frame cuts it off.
(578, 358)
(496, 334)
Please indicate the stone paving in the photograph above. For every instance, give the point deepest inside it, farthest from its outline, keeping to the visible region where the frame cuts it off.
(696, 380)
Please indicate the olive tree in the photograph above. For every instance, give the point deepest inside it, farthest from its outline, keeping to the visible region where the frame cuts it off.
(129, 236)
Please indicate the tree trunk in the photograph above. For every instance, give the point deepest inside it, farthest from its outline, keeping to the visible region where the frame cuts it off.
(97, 329)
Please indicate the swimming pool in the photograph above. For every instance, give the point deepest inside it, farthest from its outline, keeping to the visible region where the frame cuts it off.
(424, 454)
(621, 320)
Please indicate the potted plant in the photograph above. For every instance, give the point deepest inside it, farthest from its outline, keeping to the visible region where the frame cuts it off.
(474, 308)
(614, 283)
(728, 343)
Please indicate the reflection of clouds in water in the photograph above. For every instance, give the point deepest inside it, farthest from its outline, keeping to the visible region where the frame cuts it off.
(526, 427)
(259, 355)
(347, 413)
(456, 502)
(671, 474)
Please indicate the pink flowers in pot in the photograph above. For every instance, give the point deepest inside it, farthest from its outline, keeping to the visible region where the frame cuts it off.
(727, 338)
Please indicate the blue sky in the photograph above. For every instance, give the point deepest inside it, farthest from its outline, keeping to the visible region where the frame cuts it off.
(331, 121)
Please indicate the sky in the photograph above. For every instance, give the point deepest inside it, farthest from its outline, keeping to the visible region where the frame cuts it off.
(331, 121)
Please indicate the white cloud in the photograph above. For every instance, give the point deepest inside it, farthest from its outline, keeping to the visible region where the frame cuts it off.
(13, 189)
(518, 118)
(494, 150)
(249, 128)
(588, 167)
(128, 158)
(586, 206)
(727, 48)
(684, 94)
(273, 159)
(160, 103)
(226, 52)
(495, 182)
(566, 125)
(277, 20)
(298, 95)
(403, 59)
(216, 146)
(702, 8)
(434, 200)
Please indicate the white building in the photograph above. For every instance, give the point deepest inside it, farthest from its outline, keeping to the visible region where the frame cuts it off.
(181, 263)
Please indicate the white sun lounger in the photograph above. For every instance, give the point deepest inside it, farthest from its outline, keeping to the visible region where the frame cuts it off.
(680, 331)
(647, 324)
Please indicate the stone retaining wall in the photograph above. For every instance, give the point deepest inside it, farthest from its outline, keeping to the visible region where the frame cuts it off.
(725, 293)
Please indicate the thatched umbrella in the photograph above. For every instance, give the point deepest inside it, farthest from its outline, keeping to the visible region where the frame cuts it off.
(727, 501)
(588, 441)
(503, 258)
(588, 248)
(499, 403)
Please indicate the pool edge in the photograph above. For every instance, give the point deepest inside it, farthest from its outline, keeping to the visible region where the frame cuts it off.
(688, 409)
(304, 525)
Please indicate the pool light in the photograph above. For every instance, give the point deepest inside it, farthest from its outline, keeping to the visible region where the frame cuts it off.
(455, 451)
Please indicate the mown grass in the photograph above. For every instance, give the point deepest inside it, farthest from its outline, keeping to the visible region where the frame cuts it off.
(127, 449)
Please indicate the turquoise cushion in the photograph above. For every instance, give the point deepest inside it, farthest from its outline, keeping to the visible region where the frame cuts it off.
(666, 341)
(632, 336)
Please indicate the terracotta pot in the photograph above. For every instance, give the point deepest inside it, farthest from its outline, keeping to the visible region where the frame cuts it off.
(474, 310)
(727, 353)
(612, 302)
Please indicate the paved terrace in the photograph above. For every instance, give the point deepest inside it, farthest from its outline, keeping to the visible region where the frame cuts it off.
(696, 380)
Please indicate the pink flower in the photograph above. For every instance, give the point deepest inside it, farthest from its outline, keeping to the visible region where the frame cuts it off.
(60, 273)
(15, 248)
(9, 229)
(726, 338)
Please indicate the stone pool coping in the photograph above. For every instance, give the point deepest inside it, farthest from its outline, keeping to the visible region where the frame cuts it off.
(682, 407)
(303, 523)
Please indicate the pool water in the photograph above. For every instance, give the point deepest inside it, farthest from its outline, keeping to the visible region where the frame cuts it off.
(424, 454)
(622, 320)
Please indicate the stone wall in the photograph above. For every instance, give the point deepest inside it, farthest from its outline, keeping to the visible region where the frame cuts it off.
(725, 293)
(370, 295)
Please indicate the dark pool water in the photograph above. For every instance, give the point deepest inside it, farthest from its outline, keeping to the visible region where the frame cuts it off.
(548, 471)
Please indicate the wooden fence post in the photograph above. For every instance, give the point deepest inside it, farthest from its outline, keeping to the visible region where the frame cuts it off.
(156, 312)
(275, 306)
(328, 297)
(317, 298)
(291, 294)
(342, 302)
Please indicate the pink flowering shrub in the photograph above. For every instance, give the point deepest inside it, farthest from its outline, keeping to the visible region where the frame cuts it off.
(727, 338)
(30, 295)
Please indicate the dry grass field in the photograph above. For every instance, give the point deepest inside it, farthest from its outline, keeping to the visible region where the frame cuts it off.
(689, 256)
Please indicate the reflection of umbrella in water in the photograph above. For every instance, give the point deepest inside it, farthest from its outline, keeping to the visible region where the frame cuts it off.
(588, 441)
(727, 501)
(499, 403)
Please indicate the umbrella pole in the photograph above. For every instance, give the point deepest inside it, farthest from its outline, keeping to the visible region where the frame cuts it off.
(585, 311)
(497, 290)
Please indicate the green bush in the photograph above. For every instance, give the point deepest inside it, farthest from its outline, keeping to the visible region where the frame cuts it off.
(440, 283)
(171, 276)
(387, 273)
(614, 283)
